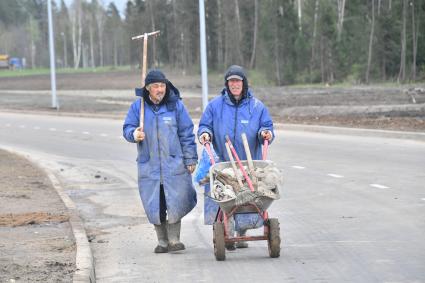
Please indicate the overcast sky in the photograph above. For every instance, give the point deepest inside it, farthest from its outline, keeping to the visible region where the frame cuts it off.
(119, 3)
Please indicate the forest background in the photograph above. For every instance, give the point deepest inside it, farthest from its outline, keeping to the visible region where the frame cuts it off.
(285, 42)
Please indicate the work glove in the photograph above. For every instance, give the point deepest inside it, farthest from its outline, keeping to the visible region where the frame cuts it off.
(191, 168)
(267, 135)
(138, 135)
(204, 138)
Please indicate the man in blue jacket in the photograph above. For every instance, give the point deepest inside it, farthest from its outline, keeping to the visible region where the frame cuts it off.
(234, 112)
(166, 158)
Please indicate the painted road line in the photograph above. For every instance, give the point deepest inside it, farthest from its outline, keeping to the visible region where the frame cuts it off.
(298, 167)
(36, 128)
(52, 129)
(103, 135)
(422, 198)
(379, 186)
(22, 126)
(69, 131)
(335, 176)
(86, 133)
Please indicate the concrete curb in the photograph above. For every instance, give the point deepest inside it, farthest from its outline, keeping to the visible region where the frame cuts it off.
(85, 269)
(418, 136)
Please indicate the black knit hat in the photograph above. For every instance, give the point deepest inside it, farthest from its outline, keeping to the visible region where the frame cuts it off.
(155, 76)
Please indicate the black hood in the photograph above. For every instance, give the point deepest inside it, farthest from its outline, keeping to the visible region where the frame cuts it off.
(238, 71)
(172, 95)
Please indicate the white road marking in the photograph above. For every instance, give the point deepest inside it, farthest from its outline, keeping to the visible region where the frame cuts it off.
(379, 186)
(298, 167)
(22, 126)
(422, 198)
(86, 133)
(69, 131)
(36, 128)
(335, 176)
(103, 135)
(52, 129)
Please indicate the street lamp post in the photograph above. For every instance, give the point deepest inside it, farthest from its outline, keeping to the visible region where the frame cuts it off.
(52, 56)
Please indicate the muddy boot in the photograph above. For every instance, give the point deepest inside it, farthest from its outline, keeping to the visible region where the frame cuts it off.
(242, 244)
(161, 233)
(174, 243)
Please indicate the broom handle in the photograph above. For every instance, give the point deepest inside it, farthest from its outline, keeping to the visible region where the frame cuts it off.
(248, 180)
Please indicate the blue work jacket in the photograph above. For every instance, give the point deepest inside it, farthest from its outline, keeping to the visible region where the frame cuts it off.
(169, 146)
(222, 117)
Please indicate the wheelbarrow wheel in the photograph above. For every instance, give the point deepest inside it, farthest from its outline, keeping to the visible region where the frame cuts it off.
(219, 246)
(274, 237)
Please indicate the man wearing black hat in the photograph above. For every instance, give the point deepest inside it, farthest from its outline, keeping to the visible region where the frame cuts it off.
(232, 113)
(166, 157)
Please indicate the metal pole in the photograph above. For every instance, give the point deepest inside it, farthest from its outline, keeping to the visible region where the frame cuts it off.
(204, 68)
(52, 56)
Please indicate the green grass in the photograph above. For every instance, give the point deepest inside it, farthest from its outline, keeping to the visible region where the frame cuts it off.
(46, 71)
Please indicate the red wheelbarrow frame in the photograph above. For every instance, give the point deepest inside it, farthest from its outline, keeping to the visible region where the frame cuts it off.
(223, 217)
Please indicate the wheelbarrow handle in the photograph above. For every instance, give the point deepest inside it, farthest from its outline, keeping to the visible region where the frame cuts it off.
(265, 149)
(210, 154)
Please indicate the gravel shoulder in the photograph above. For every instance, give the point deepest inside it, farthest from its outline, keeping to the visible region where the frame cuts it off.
(37, 243)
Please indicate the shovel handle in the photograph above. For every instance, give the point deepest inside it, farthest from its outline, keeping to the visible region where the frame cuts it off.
(248, 180)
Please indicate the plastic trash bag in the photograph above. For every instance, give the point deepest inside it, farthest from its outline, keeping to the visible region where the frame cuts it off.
(204, 164)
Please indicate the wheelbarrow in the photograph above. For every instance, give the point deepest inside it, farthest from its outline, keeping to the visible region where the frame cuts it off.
(230, 207)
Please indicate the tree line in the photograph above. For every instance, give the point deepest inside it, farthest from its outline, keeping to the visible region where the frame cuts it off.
(289, 41)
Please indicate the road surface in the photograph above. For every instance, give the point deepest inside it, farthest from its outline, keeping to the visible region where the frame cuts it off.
(352, 208)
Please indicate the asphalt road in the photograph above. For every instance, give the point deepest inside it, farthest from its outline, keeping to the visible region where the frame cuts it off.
(352, 208)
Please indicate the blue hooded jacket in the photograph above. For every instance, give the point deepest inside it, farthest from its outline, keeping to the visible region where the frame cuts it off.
(225, 117)
(169, 146)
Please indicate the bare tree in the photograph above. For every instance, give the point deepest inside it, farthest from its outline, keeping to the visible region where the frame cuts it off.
(314, 36)
(77, 31)
(152, 18)
(239, 32)
(100, 22)
(414, 40)
(402, 73)
(254, 39)
(372, 31)
(220, 45)
(299, 4)
(340, 23)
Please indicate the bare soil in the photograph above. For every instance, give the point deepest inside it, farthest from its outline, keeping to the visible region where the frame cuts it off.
(377, 107)
(37, 244)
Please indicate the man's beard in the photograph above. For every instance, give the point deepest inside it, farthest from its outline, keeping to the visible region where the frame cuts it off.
(157, 98)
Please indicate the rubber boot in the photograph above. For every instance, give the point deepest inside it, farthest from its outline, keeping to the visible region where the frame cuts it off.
(161, 233)
(231, 231)
(174, 243)
(242, 244)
